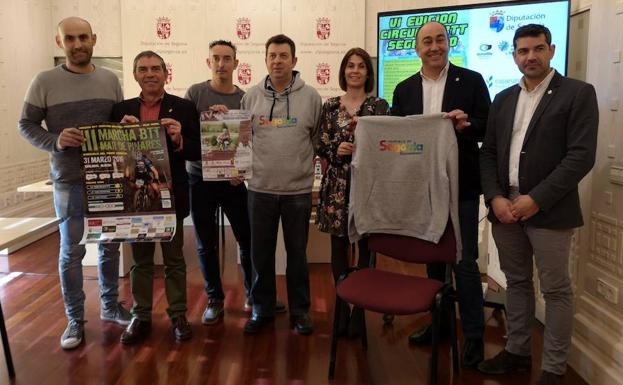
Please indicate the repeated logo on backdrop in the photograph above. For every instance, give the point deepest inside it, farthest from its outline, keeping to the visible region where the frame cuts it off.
(169, 78)
(323, 28)
(244, 73)
(323, 73)
(243, 28)
(163, 27)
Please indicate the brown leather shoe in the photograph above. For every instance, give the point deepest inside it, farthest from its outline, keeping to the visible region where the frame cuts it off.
(136, 331)
(181, 328)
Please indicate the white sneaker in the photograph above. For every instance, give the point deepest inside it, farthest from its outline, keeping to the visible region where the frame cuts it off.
(73, 335)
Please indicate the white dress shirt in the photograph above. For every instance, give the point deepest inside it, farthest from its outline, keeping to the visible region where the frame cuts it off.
(526, 105)
(432, 91)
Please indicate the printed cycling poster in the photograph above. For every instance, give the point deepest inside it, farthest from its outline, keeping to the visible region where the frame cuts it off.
(127, 183)
(226, 145)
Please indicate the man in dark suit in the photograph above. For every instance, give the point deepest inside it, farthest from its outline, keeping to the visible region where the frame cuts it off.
(181, 121)
(540, 143)
(463, 95)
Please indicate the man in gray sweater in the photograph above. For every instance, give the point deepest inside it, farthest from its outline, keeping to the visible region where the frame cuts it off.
(286, 112)
(69, 95)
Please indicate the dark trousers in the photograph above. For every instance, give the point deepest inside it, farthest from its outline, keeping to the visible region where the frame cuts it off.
(205, 197)
(466, 273)
(142, 276)
(265, 211)
(339, 255)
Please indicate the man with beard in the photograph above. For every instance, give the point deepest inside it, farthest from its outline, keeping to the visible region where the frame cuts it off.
(69, 95)
(541, 141)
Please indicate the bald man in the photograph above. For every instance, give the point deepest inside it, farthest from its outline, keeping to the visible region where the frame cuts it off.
(73, 94)
(462, 94)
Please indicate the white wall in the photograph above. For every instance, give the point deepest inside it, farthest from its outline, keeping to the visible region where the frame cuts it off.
(598, 352)
(105, 19)
(25, 49)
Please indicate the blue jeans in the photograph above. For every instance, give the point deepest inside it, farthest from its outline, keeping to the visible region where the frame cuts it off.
(69, 206)
(265, 210)
(205, 197)
(466, 273)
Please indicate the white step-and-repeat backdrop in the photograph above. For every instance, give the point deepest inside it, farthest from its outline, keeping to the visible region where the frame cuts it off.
(180, 32)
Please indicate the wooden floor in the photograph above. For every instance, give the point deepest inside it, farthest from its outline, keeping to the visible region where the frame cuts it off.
(220, 354)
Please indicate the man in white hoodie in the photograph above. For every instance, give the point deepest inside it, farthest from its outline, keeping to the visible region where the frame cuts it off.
(286, 112)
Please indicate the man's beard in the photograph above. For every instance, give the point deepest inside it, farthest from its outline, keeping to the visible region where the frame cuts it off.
(83, 60)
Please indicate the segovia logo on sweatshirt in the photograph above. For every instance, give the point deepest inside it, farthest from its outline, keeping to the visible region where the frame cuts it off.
(402, 147)
(278, 122)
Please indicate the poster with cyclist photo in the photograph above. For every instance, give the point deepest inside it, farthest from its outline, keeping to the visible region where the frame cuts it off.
(226, 145)
(127, 183)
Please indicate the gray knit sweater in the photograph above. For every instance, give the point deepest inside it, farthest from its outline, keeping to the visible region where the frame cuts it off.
(66, 99)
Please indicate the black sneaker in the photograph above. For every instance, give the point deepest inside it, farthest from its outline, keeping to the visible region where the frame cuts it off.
(505, 362)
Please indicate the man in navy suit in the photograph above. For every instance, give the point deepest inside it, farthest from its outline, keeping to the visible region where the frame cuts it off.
(540, 143)
(462, 94)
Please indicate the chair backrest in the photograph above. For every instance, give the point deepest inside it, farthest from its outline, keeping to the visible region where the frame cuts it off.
(415, 250)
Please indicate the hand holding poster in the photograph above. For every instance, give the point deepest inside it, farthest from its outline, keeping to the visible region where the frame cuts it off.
(226, 145)
(127, 183)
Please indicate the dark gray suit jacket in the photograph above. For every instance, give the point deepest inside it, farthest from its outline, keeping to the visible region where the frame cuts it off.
(557, 152)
